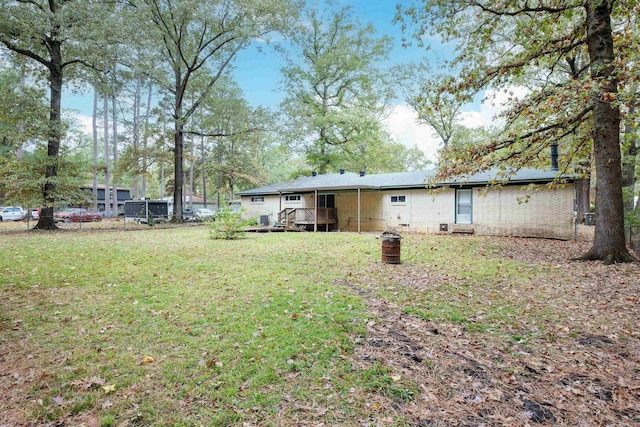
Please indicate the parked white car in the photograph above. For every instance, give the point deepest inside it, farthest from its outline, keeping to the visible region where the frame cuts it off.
(12, 213)
(204, 214)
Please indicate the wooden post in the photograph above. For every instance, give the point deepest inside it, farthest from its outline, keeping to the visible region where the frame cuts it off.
(286, 220)
(315, 220)
(359, 210)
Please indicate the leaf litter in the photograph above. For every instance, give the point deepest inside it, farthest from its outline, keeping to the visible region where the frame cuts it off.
(571, 357)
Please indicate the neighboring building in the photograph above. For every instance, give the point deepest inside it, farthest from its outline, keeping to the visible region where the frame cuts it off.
(524, 206)
(122, 195)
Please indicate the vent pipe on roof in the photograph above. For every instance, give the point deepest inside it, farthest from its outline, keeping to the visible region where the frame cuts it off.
(314, 173)
(341, 171)
(361, 173)
(554, 157)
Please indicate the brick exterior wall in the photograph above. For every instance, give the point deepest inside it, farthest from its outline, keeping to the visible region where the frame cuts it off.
(506, 211)
(536, 212)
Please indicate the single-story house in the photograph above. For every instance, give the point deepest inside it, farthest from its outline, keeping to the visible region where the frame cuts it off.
(523, 206)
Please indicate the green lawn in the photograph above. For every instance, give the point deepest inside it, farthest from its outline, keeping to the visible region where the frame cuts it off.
(166, 327)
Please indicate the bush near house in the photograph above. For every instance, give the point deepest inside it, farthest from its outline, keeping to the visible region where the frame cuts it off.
(229, 225)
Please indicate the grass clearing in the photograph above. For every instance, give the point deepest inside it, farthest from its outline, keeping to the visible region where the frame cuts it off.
(168, 321)
(166, 327)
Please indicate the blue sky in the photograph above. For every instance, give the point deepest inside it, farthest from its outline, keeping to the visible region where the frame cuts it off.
(258, 73)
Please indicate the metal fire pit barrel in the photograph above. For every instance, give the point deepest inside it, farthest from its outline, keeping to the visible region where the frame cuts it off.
(391, 248)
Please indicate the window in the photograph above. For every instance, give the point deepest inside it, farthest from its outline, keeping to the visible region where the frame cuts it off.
(257, 199)
(292, 199)
(398, 200)
(326, 201)
(463, 206)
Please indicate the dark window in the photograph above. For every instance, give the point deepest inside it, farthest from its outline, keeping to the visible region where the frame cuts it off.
(397, 200)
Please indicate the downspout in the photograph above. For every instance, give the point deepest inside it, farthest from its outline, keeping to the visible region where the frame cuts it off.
(315, 220)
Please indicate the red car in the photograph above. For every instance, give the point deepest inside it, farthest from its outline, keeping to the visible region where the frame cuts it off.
(76, 215)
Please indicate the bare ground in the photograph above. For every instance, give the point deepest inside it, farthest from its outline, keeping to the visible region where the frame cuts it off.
(583, 371)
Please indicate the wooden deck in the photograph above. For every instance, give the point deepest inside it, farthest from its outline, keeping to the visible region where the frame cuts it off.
(303, 217)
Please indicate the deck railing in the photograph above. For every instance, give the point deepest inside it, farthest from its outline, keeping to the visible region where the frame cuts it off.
(306, 216)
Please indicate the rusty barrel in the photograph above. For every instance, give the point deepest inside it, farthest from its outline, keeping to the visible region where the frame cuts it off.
(391, 249)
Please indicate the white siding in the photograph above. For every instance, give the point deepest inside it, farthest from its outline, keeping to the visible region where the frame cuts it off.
(423, 211)
(270, 207)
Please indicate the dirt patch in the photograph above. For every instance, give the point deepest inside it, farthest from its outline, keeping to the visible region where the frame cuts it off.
(586, 373)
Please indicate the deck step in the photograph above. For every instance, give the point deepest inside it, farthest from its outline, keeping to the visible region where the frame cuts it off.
(462, 229)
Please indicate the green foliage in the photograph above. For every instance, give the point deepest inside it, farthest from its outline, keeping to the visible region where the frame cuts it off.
(337, 94)
(23, 180)
(52, 38)
(234, 143)
(577, 63)
(508, 48)
(632, 215)
(229, 225)
(23, 112)
(199, 40)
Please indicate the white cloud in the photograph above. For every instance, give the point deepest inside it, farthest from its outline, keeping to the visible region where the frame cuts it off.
(493, 103)
(85, 123)
(403, 126)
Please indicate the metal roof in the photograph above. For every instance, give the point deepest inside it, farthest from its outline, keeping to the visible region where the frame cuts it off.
(413, 179)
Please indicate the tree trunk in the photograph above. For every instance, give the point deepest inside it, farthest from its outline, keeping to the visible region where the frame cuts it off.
(178, 147)
(20, 149)
(583, 190)
(94, 129)
(178, 172)
(107, 176)
(583, 204)
(629, 154)
(202, 171)
(46, 221)
(114, 124)
(163, 191)
(145, 142)
(191, 167)
(609, 242)
(136, 132)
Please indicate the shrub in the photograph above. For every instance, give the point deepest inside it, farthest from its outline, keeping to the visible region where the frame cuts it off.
(229, 225)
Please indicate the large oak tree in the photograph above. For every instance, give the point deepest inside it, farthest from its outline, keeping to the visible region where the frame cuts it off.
(54, 36)
(336, 91)
(502, 43)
